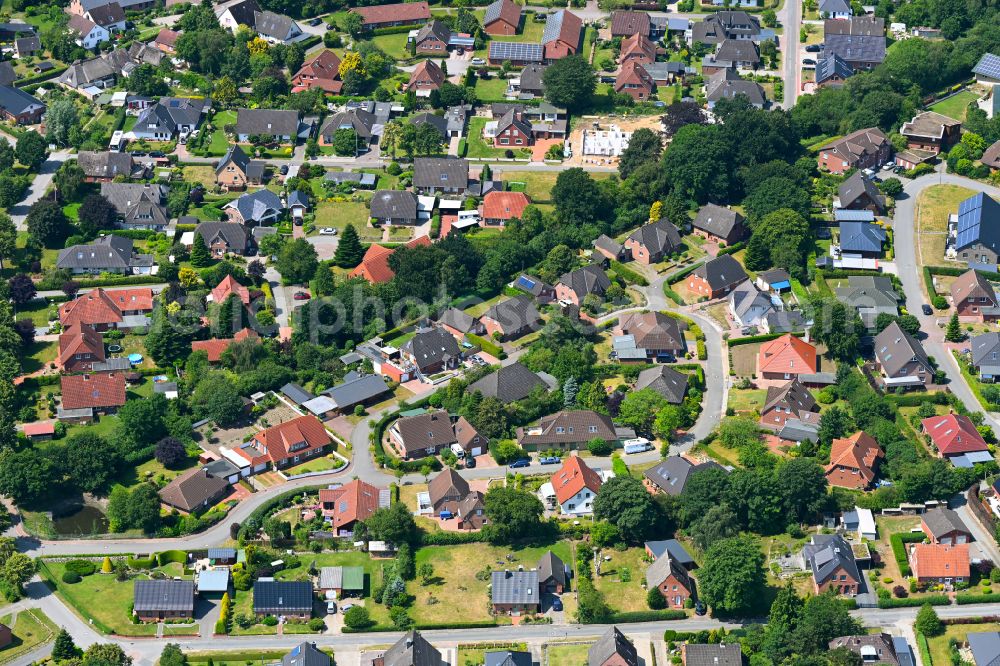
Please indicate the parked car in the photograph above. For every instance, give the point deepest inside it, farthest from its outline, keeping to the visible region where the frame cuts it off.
(557, 604)
(301, 296)
(157, 153)
(523, 462)
(478, 61)
(328, 231)
(283, 170)
(699, 608)
(808, 61)
(346, 607)
(549, 460)
(331, 607)
(926, 309)
(315, 22)
(470, 462)
(813, 48)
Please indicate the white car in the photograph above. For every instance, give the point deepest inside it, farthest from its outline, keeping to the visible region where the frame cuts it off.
(478, 61)
(328, 231)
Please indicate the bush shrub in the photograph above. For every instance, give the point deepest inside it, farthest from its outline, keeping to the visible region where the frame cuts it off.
(71, 577)
(317, 624)
(270, 621)
(81, 567)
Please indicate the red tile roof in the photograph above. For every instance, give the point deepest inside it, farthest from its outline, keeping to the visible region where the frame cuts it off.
(79, 339)
(427, 70)
(99, 389)
(504, 205)
(355, 501)
(638, 46)
(215, 346)
(229, 285)
(399, 13)
(633, 72)
(374, 267)
(933, 560)
(40, 428)
(167, 37)
(573, 477)
(287, 438)
(953, 434)
(859, 452)
(788, 355)
(100, 307)
(323, 71)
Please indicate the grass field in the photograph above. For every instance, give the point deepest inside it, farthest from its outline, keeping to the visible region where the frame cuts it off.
(941, 653)
(37, 311)
(31, 628)
(570, 654)
(744, 401)
(934, 206)
(474, 654)
(490, 89)
(394, 45)
(621, 579)
(322, 464)
(538, 185)
(219, 143)
(339, 214)
(955, 106)
(745, 359)
(373, 571)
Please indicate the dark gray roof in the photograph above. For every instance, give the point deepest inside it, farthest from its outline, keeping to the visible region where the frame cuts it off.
(362, 122)
(234, 235)
(719, 88)
(717, 220)
(612, 643)
(904, 655)
(257, 206)
(82, 74)
(725, 24)
(531, 78)
(856, 48)
(306, 654)
(163, 387)
(608, 244)
(738, 50)
(137, 203)
(867, 291)
(832, 66)
(221, 553)
(515, 587)
(941, 520)
(361, 178)
(7, 74)
(436, 29)
(168, 113)
(296, 393)
(458, 320)
(856, 25)
(277, 26)
(514, 314)
(672, 546)
(107, 164)
(671, 474)
(395, 204)
(441, 172)
(834, 7)
(431, 346)
(237, 156)
(109, 14)
(662, 568)
(861, 237)
(430, 428)
(986, 350)
(440, 123)
(550, 567)
(657, 237)
(666, 381)
(985, 646)
(275, 596)
(792, 395)
(978, 221)
(412, 650)
(702, 654)
(856, 186)
(15, 100)
(357, 389)
(797, 431)
(721, 272)
(277, 122)
(531, 284)
(590, 279)
(108, 253)
(243, 12)
(894, 348)
(508, 658)
(220, 468)
(112, 364)
(164, 595)
(827, 553)
(510, 383)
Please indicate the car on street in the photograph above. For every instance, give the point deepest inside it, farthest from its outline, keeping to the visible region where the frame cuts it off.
(478, 61)
(549, 460)
(523, 462)
(301, 296)
(926, 309)
(328, 231)
(813, 48)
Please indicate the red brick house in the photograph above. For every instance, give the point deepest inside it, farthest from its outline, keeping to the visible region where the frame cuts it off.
(854, 461)
(785, 358)
(512, 131)
(973, 296)
(502, 17)
(832, 563)
(285, 444)
(432, 39)
(944, 526)
(384, 16)
(613, 649)
(637, 47)
(717, 277)
(938, 563)
(350, 504)
(634, 81)
(672, 580)
(788, 402)
(103, 392)
(561, 36)
(426, 77)
(864, 149)
(322, 71)
(500, 207)
(953, 435)
(105, 310)
(932, 132)
(80, 346)
(374, 267)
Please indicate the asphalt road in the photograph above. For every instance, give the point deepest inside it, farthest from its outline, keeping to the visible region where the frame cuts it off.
(790, 18)
(37, 188)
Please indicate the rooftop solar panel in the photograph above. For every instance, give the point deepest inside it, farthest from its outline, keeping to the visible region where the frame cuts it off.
(988, 65)
(516, 51)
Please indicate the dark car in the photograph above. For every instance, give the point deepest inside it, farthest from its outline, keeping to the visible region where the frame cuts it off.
(808, 61)
(470, 462)
(315, 22)
(557, 604)
(301, 296)
(814, 48)
(523, 462)
(699, 608)
(138, 153)
(549, 460)
(157, 153)
(283, 170)
(926, 309)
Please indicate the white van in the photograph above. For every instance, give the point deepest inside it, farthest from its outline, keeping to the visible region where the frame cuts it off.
(637, 445)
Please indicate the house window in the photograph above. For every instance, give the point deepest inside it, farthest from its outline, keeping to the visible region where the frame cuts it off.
(592, 428)
(560, 430)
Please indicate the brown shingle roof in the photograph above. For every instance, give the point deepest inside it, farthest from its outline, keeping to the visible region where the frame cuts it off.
(93, 390)
(398, 13)
(192, 489)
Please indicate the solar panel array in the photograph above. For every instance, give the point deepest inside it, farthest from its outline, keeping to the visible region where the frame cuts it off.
(969, 220)
(988, 65)
(525, 283)
(516, 51)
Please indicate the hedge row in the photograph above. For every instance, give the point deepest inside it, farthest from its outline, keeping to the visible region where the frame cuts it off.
(442, 538)
(43, 76)
(910, 602)
(391, 30)
(135, 234)
(672, 295)
(898, 542)
(735, 247)
(121, 281)
(929, 282)
(916, 399)
(648, 616)
(453, 625)
(487, 346)
(963, 598)
(951, 271)
(629, 274)
(144, 563)
(376, 627)
(750, 339)
(171, 556)
(680, 275)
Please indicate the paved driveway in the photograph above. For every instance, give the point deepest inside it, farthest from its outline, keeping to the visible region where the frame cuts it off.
(325, 246)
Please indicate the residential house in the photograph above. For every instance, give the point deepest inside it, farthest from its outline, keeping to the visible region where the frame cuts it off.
(374, 267)
(359, 121)
(835, 9)
(236, 170)
(573, 488)
(784, 321)
(719, 224)
(670, 72)
(502, 18)
(89, 7)
(732, 54)
(438, 122)
(562, 34)
(576, 285)
(666, 381)
(859, 192)
(512, 130)
(282, 598)
(427, 76)
(653, 242)
(712, 654)
(973, 296)
(610, 248)
(774, 281)
(717, 277)
(498, 208)
(861, 239)
(342, 581)
(170, 118)
(356, 179)
(728, 84)
(657, 549)
(748, 305)
(944, 526)
(540, 291)
(939, 563)
(984, 645)
(446, 175)
(410, 650)
(661, 335)
(285, 444)
(832, 71)
(20, 108)
(156, 600)
(637, 47)
(321, 71)
(357, 389)
(567, 429)
(350, 504)
(553, 575)
(80, 346)
(432, 39)
(224, 238)
(633, 80)
(459, 323)
(786, 357)
(512, 318)
(259, 208)
(671, 474)
(229, 287)
(518, 54)
(977, 240)
(931, 132)
(509, 384)
(672, 580)
(102, 392)
(166, 40)
(530, 79)
(986, 356)
(306, 653)
(854, 461)
(195, 491)
(991, 156)
(870, 296)
(987, 70)
(104, 310)
(613, 648)
(278, 125)
(628, 23)
(422, 435)
(385, 16)
(515, 592)
(864, 149)
(789, 402)
(723, 25)
(859, 41)
(104, 166)
(214, 348)
(85, 32)
(276, 28)
(96, 73)
(877, 649)
(447, 491)
(901, 359)
(107, 254)
(432, 350)
(831, 560)
(25, 47)
(955, 437)
(139, 205)
(393, 207)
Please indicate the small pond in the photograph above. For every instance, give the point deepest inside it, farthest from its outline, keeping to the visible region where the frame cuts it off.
(80, 520)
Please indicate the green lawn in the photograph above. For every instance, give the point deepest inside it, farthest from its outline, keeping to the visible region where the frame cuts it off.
(569, 654)
(338, 214)
(934, 206)
(37, 311)
(241, 657)
(490, 89)
(940, 650)
(537, 185)
(38, 355)
(621, 579)
(219, 143)
(955, 106)
(243, 605)
(321, 464)
(474, 654)
(31, 629)
(394, 45)
(373, 575)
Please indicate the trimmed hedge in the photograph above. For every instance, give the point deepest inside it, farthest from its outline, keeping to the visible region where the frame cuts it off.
(442, 538)
(672, 295)
(951, 271)
(735, 247)
(391, 30)
(122, 281)
(81, 567)
(487, 346)
(750, 339)
(972, 598)
(453, 625)
(376, 627)
(168, 556)
(911, 602)
(648, 616)
(135, 234)
(680, 275)
(42, 76)
(898, 542)
(916, 399)
(629, 274)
